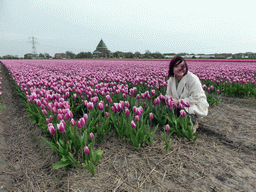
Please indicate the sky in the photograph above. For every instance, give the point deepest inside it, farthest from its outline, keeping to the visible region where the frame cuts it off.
(165, 26)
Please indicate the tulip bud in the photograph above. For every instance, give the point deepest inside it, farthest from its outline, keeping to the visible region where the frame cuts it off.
(151, 116)
(85, 117)
(107, 114)
(91, 136)
(167, 127)
(182, 113)
(73, 122)
(86, 150)
(51, 130)
(137, 118)
(61, 127)
(133, 124)
(127, 112)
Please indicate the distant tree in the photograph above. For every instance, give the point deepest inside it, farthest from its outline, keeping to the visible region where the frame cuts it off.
(47, 55)
(137, 54)
(129, 55)
(70, 55)
(81, 55)
(41, 55)
(147, 54)
(157, 55)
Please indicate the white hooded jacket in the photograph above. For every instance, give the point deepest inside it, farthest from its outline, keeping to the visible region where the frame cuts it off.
(189, 89)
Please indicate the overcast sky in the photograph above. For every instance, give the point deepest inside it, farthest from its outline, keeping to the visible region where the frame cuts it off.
(166, 26)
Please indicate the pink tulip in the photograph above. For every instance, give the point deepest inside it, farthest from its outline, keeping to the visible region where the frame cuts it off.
(79, 126)
(151, 116)
(133, 124)
(180, 106)
(187, 104)
(61, 127)
(51, 130)
(127, 112)
(86, 150)
(182, 113)
(137, 118)
(107, 114)
(73, 122)
(91, 136)
(82, 122)
(74, 96)
(101, 106)
(60, 117)
(90, 105)
(126, 104)
(218, 91)
(85, 117)
(44, 111)
(167, 127)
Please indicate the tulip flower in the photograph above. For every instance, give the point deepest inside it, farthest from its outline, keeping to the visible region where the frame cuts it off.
(79, 126)
(91, 136)
(182, 113)
(74, 96)
(167, 127)
(180, 106)
(137, 118)
(90, 105)
(82, 122)
(133, 124)
(61, 127)
(44, 111)
(85, 117)
(51, 130)
(151, 116)
(72, 122)
(86, 150)
(127, 112)
(107, 114)
(101, 106)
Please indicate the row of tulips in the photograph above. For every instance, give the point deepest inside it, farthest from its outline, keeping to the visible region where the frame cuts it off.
(72, 102)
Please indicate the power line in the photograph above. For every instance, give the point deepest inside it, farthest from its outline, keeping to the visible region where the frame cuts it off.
(33, 41)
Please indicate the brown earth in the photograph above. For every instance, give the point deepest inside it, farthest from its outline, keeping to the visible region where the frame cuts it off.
(223, 158)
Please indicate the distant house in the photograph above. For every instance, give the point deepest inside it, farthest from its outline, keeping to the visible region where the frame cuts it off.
(101, 50)
(60, 56)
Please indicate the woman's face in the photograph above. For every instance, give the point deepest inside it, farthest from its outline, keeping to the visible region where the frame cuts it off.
(179, 70)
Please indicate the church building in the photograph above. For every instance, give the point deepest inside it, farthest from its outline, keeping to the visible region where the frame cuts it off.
(101, 50)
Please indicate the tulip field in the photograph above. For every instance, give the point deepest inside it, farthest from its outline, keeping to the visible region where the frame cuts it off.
(78, 102)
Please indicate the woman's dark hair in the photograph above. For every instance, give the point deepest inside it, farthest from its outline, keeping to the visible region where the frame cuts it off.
(176, 60)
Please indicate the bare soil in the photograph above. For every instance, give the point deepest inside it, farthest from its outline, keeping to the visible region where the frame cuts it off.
(223, 158)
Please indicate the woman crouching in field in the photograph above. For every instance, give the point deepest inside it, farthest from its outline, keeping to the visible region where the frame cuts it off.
(186, 86)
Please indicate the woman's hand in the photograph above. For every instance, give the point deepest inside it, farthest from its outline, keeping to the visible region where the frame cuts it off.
(175, 101)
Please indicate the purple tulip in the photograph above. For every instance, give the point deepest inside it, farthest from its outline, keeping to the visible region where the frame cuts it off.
(86, 150)
(182, 113)
(127, 112)
(91, 136)
(51, 130)
(107, 114)
(44, 111)
(133, 124)
(73, 122)
(137, 118)
(85, 117)
(61, 127)
(101, 106)
(126, 104)
(167, 127)
(82, 122)
(74, 96)
(180, 106)
(90, 105)
(79, 126)
(151, 116)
